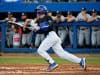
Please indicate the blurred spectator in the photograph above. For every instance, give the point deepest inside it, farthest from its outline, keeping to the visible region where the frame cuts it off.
(59, 0)
(48, 1)
(27, 1)
(86, 0)
(72, 0)
(70, 18)
(36, 1)
(84, 32)
(95, 37)
(11, 0)
(62, 31)
(27, 34)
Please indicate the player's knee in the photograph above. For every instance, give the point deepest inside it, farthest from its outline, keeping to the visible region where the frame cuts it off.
(61, 55)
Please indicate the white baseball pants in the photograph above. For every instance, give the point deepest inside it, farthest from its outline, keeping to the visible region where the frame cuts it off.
(52, 40)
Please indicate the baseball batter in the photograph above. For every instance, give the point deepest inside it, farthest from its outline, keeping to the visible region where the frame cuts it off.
(44, 25)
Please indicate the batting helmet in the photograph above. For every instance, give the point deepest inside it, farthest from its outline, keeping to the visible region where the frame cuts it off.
(41, 9)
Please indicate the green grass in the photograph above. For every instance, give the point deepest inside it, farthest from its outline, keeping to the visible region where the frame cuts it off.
(39, 60)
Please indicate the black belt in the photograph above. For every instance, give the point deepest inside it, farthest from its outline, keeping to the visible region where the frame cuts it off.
(83, 28)
(96, 30)
(61, 28)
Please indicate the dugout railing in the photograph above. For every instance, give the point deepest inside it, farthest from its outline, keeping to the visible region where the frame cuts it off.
(74, 49)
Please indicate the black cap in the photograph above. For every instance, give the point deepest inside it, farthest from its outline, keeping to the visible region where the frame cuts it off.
(69, 13)
(94, 11)
(48, 11)
(83, 9)
(9, 13)
(24, 14)
(58, 12)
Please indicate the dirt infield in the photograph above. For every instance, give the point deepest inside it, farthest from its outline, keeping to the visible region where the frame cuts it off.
(63, 69)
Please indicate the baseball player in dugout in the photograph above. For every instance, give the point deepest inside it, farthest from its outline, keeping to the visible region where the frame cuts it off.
(70, 18)
(9, 29)
(49, 13)
(38, 37)
(95, 35)
(83, 32)
(52, 40)
(26, 33)
(61, 30)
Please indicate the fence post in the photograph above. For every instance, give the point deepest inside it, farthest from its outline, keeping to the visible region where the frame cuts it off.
(74, 26)
(3, 29)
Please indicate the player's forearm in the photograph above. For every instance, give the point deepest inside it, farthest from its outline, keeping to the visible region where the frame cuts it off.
(90, 20)
(14, 20)
(26, 22)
